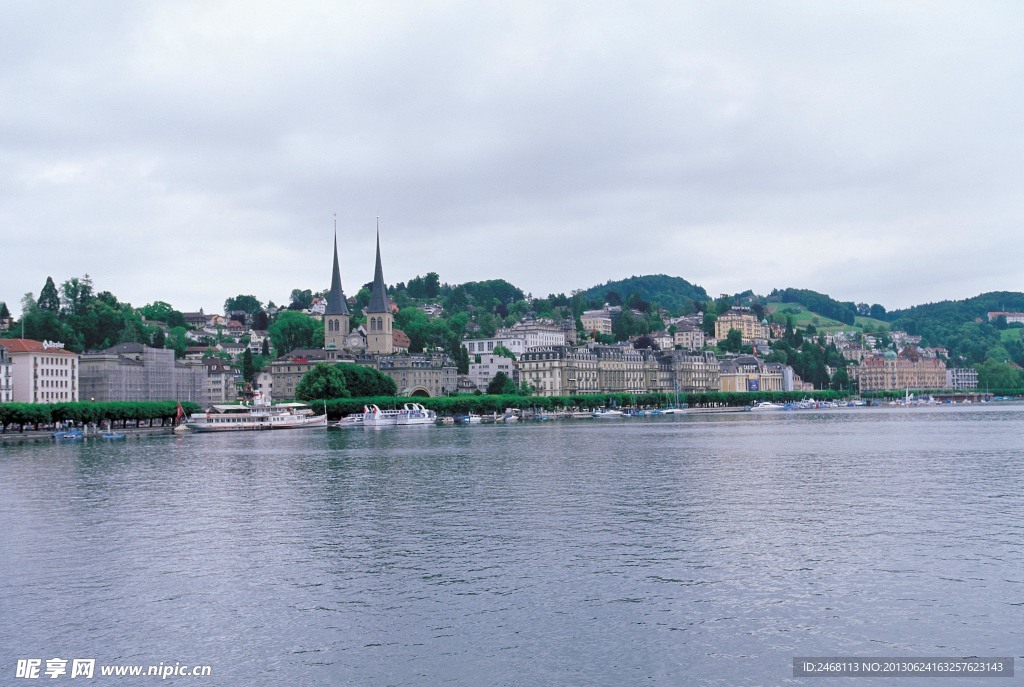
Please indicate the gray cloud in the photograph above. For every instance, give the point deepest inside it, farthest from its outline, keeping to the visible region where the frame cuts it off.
(192, 151)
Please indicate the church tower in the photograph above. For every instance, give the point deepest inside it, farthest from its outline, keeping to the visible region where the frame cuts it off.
(379, 318)
(336, 316)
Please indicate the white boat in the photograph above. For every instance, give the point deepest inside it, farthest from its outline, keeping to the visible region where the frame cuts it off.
(608, 413)
(353, 420)
(410, 414)
(260, 414)
(672, 411)
(416, 414)
(469, 419)
(766, 405)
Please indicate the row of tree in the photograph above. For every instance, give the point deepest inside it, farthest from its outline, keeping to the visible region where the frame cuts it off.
(113, 412)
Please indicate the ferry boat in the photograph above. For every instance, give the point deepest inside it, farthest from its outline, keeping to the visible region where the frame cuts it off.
(260, 414)
(409, 414)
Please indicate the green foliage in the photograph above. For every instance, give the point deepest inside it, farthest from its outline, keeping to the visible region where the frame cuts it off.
(995, 374)
(88, 411)
(366, 381)
(503, 352)
(733, 341)
(324, 381)
(502, 384)
(301, 299)
(249, 304)
(845, 312)
(49, 300)
(4, 312)
(673, 293)
(293, 329)
(163, 312)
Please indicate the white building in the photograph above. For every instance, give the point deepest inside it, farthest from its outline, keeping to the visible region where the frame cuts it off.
(961, 378)
(516, 345)
(5, 376)
(42, 371)
(483, 372)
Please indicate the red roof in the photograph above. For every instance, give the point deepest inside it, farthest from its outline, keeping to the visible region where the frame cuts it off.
(30, 346)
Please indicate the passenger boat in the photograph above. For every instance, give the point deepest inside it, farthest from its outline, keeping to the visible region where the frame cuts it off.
(409, 414)
(260, 414)
(608, 413)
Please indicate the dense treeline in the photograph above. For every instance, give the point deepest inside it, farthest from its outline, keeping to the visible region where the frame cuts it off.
(672, 293)
(114, 412)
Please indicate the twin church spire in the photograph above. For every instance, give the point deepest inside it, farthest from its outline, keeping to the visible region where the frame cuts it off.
(379, 318)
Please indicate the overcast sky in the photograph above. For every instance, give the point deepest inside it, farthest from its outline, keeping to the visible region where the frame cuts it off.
(192, 151)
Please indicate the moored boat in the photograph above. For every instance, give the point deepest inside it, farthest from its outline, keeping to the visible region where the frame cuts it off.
(767, 405)
(261, 414)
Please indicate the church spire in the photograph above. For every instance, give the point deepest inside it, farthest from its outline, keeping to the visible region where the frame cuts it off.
(379, 301)
(336, 303)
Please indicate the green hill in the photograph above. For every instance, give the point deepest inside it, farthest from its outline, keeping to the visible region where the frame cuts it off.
(673, 293)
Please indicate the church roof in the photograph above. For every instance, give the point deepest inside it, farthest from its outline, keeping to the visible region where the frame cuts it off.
(336, 303)
(379, 301)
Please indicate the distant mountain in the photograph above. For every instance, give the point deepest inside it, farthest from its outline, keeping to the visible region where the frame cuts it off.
(672, 293)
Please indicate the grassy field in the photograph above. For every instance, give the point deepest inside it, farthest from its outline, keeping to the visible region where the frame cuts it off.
(802, 317)
(1011, 334)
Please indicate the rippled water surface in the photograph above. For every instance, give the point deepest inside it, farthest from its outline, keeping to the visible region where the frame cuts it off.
(668, 551)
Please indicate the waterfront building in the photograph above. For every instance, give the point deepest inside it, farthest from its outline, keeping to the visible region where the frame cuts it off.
(134, 372)
(287, 370)
(560, 370)
(6, 389)
(424, 374)
(693, 372)
(905, 370)
(961, 378)
(747, 373)
(223, 382)
(42, 371)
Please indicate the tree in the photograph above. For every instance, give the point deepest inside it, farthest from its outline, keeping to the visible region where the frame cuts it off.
(5, 314)
(877, 312)
(502, 384)
(247, 304)
(324, 381)
(48, 298)
(293, 329)
(76, 295)
(733, 341)
(248, 369)
(260, 320)
(365, 381)
(503, 352)
(301, 299)
(162, 312)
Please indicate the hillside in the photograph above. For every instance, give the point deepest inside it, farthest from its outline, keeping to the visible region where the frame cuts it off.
(673, 293)
(959, 312)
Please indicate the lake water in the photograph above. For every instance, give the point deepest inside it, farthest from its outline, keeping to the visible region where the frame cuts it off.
(664, 551)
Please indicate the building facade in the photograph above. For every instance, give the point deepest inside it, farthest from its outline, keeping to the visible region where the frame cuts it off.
(42, 371)
(961, 378)
(743, 320)
(483, 372)
(6, 388)
(906, 370)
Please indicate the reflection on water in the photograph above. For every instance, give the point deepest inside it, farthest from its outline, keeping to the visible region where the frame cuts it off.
(685, 550)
